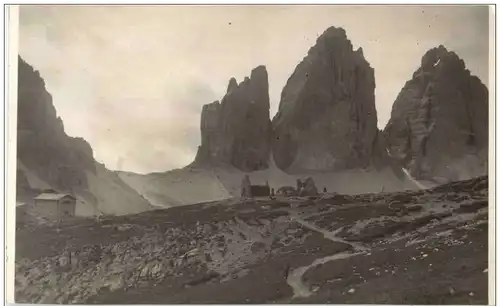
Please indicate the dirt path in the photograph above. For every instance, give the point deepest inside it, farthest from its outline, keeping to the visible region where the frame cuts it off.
(332, 236)
(294, 280)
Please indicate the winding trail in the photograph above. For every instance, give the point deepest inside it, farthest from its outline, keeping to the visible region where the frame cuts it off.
(294, 280)
(332, 236)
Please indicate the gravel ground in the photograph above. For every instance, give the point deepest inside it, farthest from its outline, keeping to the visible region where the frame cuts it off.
(415, 247)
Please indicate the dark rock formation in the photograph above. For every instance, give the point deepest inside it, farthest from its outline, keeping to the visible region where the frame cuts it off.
(237, 131)
(307, 188)
(42, 144)
(48, 158)
(439, 121)
(327, 118)
(246, 187)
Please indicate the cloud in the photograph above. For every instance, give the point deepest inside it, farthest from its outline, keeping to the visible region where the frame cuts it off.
(150, 134)
(132, 79)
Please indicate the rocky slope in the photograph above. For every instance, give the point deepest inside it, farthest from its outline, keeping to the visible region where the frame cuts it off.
(414, 247)
(237, 130)
(48, 158)
(178, 187)
(438, 128)
(191, 185)
(327, 118)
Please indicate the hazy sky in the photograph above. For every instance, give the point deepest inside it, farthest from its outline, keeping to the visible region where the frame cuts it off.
(132, 80)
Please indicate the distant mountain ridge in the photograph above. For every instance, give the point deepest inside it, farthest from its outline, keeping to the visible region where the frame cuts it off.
(327, 120)
(326, 128)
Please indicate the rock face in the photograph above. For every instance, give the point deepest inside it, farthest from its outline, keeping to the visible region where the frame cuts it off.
(42, 144)
(327, 118)
(48, 158)
(439, 121)
(237, 130)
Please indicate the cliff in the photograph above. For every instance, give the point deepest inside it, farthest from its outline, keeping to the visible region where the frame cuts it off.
(48, 158)
(438, 128)
(237, 130)
(327, 118)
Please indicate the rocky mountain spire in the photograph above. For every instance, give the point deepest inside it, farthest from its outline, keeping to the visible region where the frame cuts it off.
(237, 130)
(327, 118)
(439, 122)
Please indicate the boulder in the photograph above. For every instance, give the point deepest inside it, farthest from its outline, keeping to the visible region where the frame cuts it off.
(307, 188)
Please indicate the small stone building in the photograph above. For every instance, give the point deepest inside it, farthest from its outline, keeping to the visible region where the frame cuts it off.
(249, 191)
(54, 206)
(260, 191)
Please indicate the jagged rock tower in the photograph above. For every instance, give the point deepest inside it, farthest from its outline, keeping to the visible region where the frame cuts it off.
(327, 118)
(438, 128)
(237, 131)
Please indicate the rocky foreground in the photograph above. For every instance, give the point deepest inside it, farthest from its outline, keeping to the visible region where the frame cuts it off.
(418, 247)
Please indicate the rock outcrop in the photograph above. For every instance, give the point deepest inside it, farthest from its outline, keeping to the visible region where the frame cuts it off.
(48, 158)
(246, 186)
(42, 144)
(237, 131)
(327, 118)
(438, 128)
(306, 188)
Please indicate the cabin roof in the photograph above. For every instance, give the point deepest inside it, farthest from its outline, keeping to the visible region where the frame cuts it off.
(53, 196)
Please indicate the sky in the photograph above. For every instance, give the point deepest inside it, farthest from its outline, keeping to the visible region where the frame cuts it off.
(132, 80)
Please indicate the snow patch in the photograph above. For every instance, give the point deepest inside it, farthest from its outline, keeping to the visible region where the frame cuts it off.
(407, 173)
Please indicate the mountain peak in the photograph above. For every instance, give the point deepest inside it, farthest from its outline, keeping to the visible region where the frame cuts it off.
(327, 118)
(334, 32)
(439, 121)
(232, 131)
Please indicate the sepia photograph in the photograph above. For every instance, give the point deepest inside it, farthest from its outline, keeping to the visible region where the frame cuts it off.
(251, 154)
